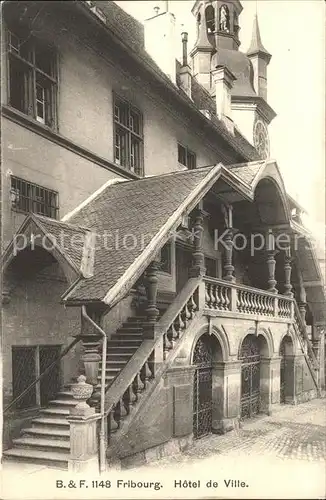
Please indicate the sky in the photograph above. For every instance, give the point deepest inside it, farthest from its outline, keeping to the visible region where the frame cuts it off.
(293, 31)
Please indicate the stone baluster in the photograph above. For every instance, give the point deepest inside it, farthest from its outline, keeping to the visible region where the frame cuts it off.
(198, 259)
(228, 267)
(287, 276)
(271, 262)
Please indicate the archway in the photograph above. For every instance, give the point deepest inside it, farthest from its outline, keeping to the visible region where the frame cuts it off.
(252, 348)
(286, 352)
(206, 351)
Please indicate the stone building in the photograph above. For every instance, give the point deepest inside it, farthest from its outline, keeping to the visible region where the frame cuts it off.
(153, 263)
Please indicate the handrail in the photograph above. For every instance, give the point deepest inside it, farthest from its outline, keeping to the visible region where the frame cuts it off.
(302, 327)
(102, 410)
(125, 378)
(47, 370)
(247, 288)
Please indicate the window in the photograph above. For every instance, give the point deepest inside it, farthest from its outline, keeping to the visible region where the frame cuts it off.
(211, 267)
(28, 362)
(28, 197)
(32, 77)
(166, 259)
(128, 146)
(186, 157)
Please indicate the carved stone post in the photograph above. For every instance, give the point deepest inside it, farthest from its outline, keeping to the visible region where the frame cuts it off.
(198, 260)
(287, 276)
(91, 356)
(228, 267)
(302, 303)
(151, 310)
(83, 436)
(271, 271)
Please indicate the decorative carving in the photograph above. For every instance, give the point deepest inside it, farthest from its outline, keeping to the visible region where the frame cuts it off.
(152, 311)
(82, 391)
(287, 276)
(224, 19)
(198, 266)
(228, 266)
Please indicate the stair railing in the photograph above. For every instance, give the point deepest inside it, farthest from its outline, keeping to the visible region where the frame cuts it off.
(102, 446)
(304, 339)
(42, 375)
(127, 388)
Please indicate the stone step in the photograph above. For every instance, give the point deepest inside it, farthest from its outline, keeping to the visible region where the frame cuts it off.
(48, 421)
(122, 349)
(48, 432)
(115, 356)
(124, 343)
(63, 402)
(56, 411)
(38, 443)
(127, 336)
(50, 458)
(114, 363)
(65, 394)
(129, 329)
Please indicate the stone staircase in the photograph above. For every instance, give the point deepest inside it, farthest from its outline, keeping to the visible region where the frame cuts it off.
(47, 439)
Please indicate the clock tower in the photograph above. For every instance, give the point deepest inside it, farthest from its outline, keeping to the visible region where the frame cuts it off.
(253, 113)
(237, 80)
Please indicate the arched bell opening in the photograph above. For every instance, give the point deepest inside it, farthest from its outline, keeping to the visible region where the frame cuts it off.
(252, 350)
(286, 353)
(206, 353)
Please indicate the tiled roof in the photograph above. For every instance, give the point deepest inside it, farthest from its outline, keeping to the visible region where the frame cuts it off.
(126, 216)
(247, 172)
(70, 239)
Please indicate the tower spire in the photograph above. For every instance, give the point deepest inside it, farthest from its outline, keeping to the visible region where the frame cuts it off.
(256, 46)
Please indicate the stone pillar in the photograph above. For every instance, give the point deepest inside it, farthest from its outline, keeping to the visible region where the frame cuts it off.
(228, 267)
(198, 264)
(302, 302)
(151, 311)
(287, 276)
(226, 396)
(269, 383)
(271, 271)
(83, 430)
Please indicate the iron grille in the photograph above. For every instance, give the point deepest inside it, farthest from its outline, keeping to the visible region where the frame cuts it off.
(23, 374)
(202, 414)
(29, 197)
(250, 377)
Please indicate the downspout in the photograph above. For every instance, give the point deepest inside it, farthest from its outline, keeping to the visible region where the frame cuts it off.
(102, 410)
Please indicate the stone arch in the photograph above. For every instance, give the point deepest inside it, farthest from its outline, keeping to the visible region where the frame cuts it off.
(210, 19)
(289, 339)
(221, 339)
(265, 339)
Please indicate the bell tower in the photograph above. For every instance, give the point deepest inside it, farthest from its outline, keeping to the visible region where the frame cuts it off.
(221, 20)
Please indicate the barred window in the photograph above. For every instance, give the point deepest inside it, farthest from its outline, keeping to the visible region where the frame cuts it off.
(27, 197)
(32, 79)
(128, 146)
(186, 157)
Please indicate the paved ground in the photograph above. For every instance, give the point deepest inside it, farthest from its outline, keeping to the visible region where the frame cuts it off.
(281, 456)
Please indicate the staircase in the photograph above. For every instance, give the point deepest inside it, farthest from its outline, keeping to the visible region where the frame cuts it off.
(47, 440)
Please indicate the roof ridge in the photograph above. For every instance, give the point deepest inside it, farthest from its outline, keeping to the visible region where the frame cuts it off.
(61, 222)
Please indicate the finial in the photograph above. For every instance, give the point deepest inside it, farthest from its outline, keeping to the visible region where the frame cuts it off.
(156, 10)
(184, 38)
(256, 45)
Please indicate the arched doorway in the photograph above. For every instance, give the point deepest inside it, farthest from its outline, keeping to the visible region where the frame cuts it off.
(202, 407)
(250, 376)
(286, 350)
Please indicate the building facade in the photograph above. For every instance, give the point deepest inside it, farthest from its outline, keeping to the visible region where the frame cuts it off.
(153, 263)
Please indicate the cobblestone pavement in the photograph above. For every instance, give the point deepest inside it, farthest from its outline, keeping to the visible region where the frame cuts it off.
(270, 457)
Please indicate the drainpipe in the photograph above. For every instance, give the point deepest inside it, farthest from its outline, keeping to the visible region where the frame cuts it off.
(102, 429)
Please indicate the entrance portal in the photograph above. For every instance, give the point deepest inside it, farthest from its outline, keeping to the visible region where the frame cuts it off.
(250, 376)
(286, 368)
(202, 414)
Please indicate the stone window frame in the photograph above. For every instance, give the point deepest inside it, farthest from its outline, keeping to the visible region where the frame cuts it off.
(186, 157)
(32, 81)
(128, 133)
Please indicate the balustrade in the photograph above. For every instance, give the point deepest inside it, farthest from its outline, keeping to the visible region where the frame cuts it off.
(218, 297)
